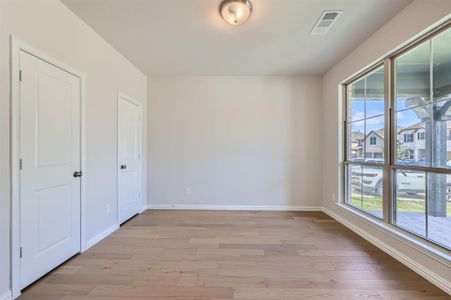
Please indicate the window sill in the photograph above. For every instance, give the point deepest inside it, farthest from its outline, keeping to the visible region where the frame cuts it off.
(437, 253)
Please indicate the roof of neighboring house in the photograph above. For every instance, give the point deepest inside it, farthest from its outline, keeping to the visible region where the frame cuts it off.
(357, 135)
(421, 125)
(379, 133)
(414, 127)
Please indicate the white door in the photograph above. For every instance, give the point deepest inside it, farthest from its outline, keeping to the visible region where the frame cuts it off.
(50, 153)
(129, 159)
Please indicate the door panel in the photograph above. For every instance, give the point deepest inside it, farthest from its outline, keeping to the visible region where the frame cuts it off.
(129, 157)
(52, 231)
(54, 107)
(50, 153)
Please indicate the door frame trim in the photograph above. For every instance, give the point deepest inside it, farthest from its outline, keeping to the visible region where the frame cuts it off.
(16, 46)
(141, 123)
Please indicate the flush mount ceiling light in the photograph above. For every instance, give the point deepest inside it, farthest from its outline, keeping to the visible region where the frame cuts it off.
(235, 12)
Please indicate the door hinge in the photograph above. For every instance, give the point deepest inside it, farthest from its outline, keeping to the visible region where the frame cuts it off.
(20, 252)
(20, 164)
(20, 75)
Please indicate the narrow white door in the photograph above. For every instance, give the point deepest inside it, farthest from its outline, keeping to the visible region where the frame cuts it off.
(129, 159)
(50, 153)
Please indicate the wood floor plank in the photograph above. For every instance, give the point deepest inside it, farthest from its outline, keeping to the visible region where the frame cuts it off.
(232, 255)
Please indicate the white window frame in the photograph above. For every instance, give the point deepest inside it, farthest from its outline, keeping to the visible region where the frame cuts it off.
(390, 142)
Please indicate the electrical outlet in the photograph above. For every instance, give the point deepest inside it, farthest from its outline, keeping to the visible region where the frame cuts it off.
(108, 208)
(332, 197)
(187, 191)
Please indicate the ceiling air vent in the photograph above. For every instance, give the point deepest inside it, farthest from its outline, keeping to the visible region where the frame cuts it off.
(325, 22)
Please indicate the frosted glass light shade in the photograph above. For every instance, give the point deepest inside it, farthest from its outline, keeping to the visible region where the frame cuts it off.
(236, 12)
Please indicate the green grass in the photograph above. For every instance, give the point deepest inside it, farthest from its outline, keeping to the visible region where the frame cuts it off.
(406, 205)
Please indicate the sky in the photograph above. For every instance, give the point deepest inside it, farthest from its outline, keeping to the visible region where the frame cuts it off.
(375, 115)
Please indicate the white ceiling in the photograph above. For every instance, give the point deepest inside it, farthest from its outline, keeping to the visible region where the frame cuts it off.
(188, 37)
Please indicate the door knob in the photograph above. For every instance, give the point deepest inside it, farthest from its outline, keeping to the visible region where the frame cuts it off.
(77, 174)
(123, 167)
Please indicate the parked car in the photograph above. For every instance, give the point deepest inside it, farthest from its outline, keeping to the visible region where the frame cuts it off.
(409, 182)
(370, 180)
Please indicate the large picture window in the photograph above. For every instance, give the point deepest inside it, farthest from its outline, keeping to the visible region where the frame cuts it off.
(398, 152)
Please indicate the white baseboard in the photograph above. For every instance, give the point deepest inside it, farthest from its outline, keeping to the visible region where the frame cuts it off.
(237, 207)
(6, 296)
(422, 270)
(91, 242)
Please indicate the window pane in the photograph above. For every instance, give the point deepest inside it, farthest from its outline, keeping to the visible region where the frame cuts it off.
(372, 185)
(413, 77)
(441, 134)
(365, 189)
(439, 208)
(366, 118)
(441, 45)
(356, 137)
(374, 94)
(356, 100)
(411, 124)
(409, 201)
(355, 192)
(374, 132)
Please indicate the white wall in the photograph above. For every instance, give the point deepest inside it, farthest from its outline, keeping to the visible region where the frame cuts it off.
(413, 19)
(49, 26)
(242, 141)
(235, 141)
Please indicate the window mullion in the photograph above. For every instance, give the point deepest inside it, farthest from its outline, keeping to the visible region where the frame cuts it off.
(345, 190)
(364, 121)
(387, 191)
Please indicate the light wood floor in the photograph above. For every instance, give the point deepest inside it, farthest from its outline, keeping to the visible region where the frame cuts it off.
(203, 255)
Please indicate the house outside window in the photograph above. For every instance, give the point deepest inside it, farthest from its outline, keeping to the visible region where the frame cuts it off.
(420, 136)
(373, 140)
